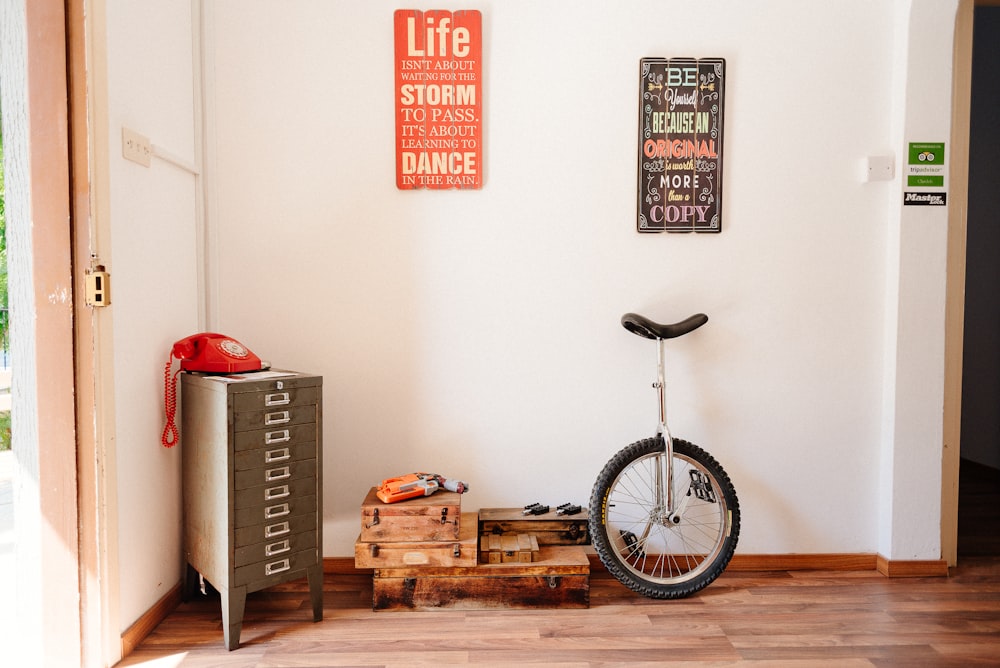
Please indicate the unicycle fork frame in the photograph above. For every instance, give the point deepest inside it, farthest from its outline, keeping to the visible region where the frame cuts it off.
(665, 472)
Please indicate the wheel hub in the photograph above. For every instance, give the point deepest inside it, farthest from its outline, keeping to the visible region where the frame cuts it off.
(661, 517)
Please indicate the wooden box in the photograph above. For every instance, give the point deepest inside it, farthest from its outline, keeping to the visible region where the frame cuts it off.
(508, 547)
(394, 554)
(426, 518)
(549, 529)
(559, 579)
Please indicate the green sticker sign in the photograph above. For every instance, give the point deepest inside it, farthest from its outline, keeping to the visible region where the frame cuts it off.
(926, 153)
(925, 165)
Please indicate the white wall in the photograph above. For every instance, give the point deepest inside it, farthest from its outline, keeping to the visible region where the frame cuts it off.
(915, 299)
(476, 333)
(154, 281)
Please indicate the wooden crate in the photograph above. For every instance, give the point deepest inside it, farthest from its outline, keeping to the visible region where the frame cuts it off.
(549, 529)
(426, 518)
(458, 552)
(505, 548)
(559, 579)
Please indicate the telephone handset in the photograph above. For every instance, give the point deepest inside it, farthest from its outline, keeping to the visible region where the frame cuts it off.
(206, 352)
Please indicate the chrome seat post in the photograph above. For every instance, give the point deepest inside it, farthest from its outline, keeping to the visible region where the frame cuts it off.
(660, 385)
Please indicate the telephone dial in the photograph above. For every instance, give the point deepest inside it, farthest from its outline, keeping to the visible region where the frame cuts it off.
(206, 353)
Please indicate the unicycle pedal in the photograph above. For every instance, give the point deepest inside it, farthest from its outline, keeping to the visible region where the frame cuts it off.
(701, 486)
(632, 544)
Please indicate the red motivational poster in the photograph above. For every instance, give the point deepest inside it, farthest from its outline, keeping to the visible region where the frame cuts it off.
(439, 99)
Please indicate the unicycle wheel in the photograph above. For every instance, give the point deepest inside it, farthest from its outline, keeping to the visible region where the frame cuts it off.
(655, 553)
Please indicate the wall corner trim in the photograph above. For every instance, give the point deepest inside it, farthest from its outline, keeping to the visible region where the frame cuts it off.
(143, 626)
(912, 568)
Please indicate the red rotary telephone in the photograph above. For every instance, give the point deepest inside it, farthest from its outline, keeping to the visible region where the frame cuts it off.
(206, 352)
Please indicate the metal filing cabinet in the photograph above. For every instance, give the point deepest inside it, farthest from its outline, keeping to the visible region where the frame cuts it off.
(252, 474)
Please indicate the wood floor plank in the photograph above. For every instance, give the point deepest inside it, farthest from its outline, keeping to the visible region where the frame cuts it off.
(900, 655)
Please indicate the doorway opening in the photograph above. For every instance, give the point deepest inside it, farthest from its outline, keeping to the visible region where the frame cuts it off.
(6, 454)
(979, 472)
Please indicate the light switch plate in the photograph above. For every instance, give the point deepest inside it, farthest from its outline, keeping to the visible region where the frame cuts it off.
(879, 168)
(136, 147)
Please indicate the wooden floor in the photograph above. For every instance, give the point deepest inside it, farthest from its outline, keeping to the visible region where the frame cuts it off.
(766, 619)
(781, 619)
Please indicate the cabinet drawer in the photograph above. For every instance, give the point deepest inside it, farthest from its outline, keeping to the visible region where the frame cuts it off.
(277, 567)
(271, 400)
(274, 455)
(272, 531)
(274, 512)
(275, 548)
(279, 416)
(275, 473)
(275, 492)
(273, 436)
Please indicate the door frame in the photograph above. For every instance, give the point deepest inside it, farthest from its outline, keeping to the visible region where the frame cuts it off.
(96, 453)
(38, 198)
(958, 167)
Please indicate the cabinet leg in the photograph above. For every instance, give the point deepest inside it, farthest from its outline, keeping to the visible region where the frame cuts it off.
(233, 602)
(315, 577)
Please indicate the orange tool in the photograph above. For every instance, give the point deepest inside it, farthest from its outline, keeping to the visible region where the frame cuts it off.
(412, 485)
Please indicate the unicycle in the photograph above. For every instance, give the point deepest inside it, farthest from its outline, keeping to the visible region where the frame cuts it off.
(664, 517)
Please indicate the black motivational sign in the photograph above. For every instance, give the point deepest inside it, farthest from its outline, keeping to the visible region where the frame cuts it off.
(680, 144)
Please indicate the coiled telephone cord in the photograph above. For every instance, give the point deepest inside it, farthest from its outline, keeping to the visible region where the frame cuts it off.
(170, 434)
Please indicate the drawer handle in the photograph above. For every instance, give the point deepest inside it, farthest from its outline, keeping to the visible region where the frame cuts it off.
(279, 529)
(279, 417)
(277, 567)
(277, 548)
(277, 455)
(276, 399)
(272, 437)
(271, 475)
(279, 510)
(272, 493)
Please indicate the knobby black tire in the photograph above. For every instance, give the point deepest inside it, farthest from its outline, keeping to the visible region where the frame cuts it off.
(654, 555)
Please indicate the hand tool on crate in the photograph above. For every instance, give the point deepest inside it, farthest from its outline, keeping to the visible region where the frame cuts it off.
(535, 509)
(568, 509)
(412, 485)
